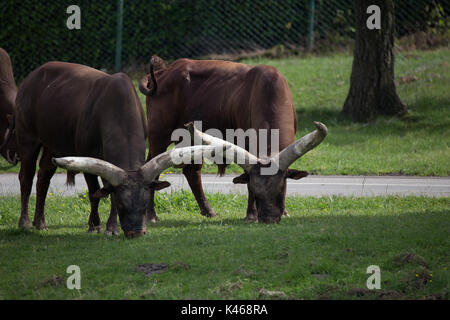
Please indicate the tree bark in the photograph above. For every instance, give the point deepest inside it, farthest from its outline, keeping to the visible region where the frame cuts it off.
(372, 87)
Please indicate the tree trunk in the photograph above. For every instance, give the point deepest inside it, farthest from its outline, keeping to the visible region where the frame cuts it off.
(372, 88)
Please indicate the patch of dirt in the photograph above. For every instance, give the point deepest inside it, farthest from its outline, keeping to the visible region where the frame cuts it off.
(359, 292)
(225, 289)
(326, 293)
(152, 268)
(390, 294)
(434, 296)
(409, 258)
(282, 256)
(178, 265)
(408, 79)
(54, 281)
(264, 293)
(419, 278)
(244, 272)
(375, 294)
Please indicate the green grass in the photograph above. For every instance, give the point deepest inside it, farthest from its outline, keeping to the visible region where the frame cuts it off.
(415, 145)
(321, 251)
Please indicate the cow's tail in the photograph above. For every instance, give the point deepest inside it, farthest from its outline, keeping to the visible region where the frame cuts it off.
(144, 85)
(221, 169)
(70, 181)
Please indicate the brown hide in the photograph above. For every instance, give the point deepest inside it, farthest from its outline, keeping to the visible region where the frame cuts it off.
(74, 110)
(8, 92)
(223, 95)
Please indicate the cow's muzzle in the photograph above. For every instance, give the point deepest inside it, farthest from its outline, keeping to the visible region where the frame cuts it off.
(269, 219)
(135, 234)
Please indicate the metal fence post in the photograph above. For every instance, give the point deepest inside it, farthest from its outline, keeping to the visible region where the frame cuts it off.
(118, 59)
(311, 24)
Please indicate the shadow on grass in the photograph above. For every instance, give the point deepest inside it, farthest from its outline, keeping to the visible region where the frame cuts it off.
(359, 222)
(16, 231)
(326, 254)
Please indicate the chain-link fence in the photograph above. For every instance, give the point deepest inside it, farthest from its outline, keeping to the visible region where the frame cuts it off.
(34, 32)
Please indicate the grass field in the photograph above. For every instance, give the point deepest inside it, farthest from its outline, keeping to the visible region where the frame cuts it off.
(321, 251)
(415, 145)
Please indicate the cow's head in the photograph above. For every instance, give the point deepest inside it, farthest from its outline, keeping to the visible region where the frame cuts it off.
(130, 189)
(267, 186)
(8, 146)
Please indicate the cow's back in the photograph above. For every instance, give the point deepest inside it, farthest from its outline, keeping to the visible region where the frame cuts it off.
(77, 110)
(8, 88)
(223, 95)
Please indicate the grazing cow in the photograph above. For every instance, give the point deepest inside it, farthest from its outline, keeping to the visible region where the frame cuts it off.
(86, 121)
(225, 95)
(8, 92)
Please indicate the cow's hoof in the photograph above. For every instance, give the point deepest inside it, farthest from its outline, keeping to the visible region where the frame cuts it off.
(285, 213)
(153, 220)
(111, 233)
(251, 218)
(24, 225)
(40, 227)
(95, 229)
(209, 214)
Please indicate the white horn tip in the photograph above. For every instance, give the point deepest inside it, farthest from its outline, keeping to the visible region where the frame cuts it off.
(321, 127)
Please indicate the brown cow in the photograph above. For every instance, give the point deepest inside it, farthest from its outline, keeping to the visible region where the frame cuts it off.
(224, 95)
(8, 92)
(96, 123)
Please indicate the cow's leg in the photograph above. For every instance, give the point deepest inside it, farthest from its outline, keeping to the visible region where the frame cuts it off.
(252, 212)
(285, 212)
(112, 227)
(193, 175)
(45, 174)
(94, 219)
(156, 147)
(28, 154)
(151, 213)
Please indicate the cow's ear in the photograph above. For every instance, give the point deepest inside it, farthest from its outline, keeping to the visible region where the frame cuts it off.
(159, 185)
(102, 193)
(296, 174)
(242, 179)
(9, 117)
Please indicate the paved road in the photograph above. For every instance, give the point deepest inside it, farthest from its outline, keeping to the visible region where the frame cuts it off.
(311, 186)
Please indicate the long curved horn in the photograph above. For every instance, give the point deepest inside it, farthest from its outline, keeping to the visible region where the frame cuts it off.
(176, 156)
(238, 155)
(113, 174)
(297, 149)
